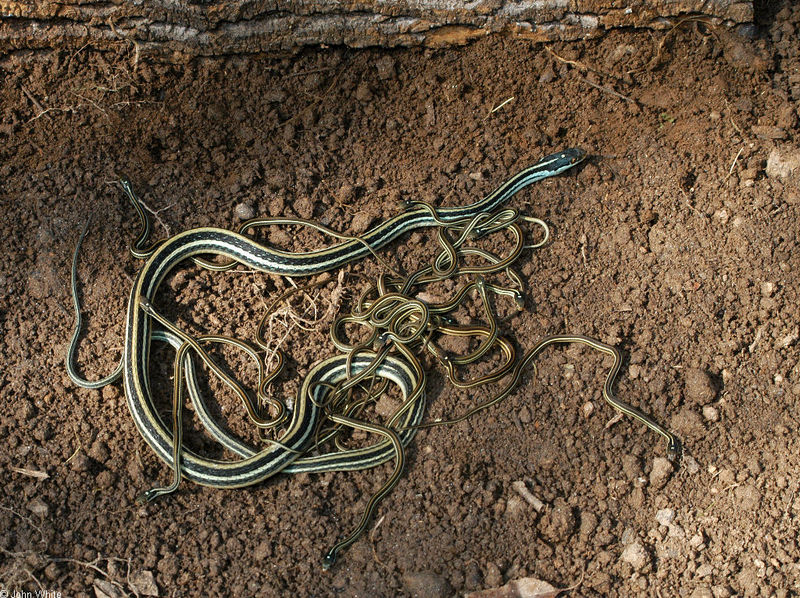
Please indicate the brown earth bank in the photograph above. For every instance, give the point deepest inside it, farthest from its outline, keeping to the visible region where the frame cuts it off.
(677, 241)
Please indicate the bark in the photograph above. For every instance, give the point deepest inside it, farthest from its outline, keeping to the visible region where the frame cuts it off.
(176, 28)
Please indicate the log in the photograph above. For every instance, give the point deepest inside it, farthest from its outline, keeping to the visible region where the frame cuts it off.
(175, 29)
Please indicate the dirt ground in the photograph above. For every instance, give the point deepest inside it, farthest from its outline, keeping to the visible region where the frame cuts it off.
(677, 241)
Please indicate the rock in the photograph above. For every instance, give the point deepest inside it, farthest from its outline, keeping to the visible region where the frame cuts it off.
(426, 584)
(698, 386)
(105, 589)
(662, 469)
(244, 211)
(636, 556)
(704, 570)
(711, 413)
(783, 162)
(665, 517)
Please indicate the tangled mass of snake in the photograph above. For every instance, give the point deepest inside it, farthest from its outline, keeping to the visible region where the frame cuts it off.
(335, 395)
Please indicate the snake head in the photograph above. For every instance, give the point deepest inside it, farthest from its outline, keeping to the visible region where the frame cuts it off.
(519, 299)
(328, 560)
(674, 451)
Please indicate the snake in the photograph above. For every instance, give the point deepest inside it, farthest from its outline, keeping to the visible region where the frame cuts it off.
(165, 256)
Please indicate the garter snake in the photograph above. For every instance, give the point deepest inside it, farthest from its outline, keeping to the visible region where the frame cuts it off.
(166, 255)
(403, 319)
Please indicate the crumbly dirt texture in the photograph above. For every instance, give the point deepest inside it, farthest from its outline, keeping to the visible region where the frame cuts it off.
(676, 241)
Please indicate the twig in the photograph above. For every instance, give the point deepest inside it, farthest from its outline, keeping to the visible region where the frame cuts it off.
(691, 19)
(27, 520)
(579, 65)
(35, 102)
(500, 105)
(736, 159)
(608, 90)
(613, 420)
(31, 473)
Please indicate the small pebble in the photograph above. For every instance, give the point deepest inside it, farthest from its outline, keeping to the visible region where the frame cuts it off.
(696, 541)
(711, 413)
(587, 409)
(704, 570)
(636, 556)
(244, 211)
(665, 517)
(690, 464)
(38, 507)
(628, 536)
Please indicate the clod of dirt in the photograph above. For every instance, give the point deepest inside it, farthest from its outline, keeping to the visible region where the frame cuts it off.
(361, 222)
(783, 162)
(559, 522)
(426, 584)
(702, 592)
(38, 507)
(747, 497)
(527, 587)
(660, 473)
(687, 423)
(636, 556)
(698, 386)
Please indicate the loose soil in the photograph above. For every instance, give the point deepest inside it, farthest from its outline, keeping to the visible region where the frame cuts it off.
(677, 241)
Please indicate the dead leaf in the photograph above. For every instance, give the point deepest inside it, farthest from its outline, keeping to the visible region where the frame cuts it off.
(144, 583)
(32, 473)
(105, 589)
(526, 587)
